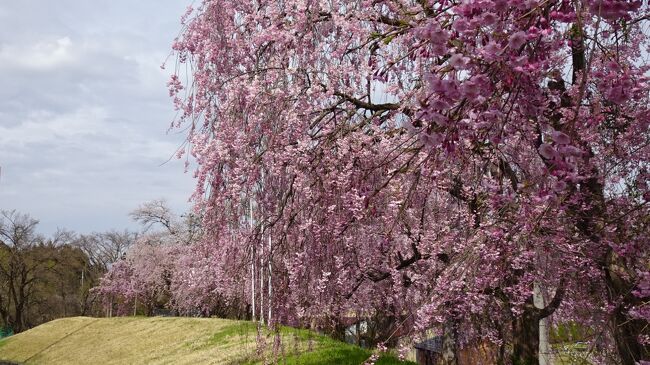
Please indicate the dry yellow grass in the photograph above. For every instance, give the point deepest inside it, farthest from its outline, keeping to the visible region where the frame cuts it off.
(156, 340)
(173, 340)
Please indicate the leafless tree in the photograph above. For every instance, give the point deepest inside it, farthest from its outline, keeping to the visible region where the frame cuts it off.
(156, 212)
(184, 229)
(103, 249)
(17, 271)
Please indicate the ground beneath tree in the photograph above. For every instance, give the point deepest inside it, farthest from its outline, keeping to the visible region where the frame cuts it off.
(165, 340)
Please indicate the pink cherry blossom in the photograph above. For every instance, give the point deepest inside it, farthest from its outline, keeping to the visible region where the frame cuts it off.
(517, 39)
(438, 159)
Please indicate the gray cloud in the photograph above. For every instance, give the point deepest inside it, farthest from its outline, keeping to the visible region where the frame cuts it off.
(84, 111)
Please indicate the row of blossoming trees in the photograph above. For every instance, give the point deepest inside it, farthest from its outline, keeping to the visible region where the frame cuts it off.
(165, 269)
(426, 164)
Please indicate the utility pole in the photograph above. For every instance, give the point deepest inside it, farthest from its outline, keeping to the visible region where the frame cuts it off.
(250, 208)
(82, 300)
(268, 318)
(544, 348)
(261, 270)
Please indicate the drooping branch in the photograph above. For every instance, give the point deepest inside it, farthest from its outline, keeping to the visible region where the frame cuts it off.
(368, 106)
(378, 275)
(555, 302)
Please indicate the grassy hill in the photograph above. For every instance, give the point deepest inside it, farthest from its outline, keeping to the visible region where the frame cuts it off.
(171, 340)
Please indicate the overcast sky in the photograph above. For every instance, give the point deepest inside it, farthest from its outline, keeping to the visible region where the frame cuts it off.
(84, 111)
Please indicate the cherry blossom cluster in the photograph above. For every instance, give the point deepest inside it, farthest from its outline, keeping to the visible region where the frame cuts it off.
(425, 163)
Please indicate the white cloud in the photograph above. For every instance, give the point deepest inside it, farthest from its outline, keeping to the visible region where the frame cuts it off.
(84, 110)
(46, 126)
(42, 56)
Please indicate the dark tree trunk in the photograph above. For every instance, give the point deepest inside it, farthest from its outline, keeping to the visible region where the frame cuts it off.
(626, 333)
(501, 354)
(525, 332)
(338, 332)
(525, 328)
(19, 322)
(625, 330)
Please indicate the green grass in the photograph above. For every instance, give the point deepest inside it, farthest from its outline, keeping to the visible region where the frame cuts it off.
(235, 329)
(324, 350)
(571, 354)
(158, 340)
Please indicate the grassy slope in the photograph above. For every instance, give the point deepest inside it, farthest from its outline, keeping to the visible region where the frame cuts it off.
(159, 340)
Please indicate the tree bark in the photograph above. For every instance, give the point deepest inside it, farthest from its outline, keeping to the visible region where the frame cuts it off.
(625, 330)
(525, 328)
(525, 342)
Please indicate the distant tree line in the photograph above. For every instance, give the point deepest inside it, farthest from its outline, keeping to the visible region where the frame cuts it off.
(44, 278)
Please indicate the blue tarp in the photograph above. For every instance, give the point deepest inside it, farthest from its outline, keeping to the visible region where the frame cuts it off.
(6, 332)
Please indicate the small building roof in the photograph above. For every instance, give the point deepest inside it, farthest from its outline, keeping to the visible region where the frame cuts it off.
(433, 344)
